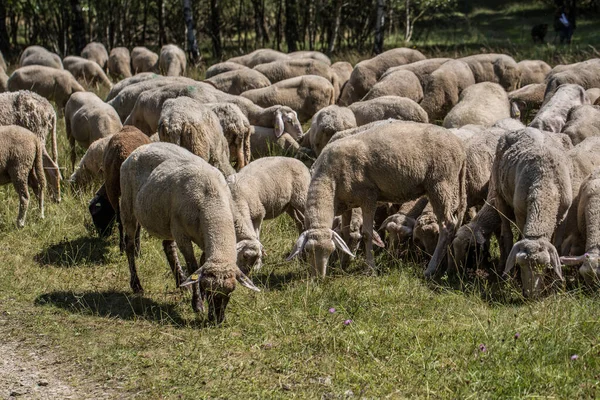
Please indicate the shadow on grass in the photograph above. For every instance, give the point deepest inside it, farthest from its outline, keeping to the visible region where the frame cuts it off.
(273, 280)
(113, 304)
(73, 253)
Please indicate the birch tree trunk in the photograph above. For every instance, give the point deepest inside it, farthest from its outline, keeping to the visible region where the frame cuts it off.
(190, 32)
(379, 29)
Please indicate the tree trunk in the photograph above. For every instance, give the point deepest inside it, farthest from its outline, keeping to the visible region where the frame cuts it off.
(162, 36)
(336, 26)
(215, 28)
(4, 42)
(278, 25)
(190, 32)
(291, 25)
(379, 28)
(78, 26)
(408, 28)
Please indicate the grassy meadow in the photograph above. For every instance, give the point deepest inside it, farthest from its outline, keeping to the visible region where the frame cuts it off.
(65, 291)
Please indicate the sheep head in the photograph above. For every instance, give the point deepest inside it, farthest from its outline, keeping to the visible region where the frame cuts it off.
(286, 120)
(399, 228)
(426, 232)
(590, 267)
(249, 255)
(466, 246)
(534, 257)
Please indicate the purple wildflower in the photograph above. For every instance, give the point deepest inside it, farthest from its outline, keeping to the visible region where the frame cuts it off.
(332, 310)
(574, 357)
(517, 335)
(482, 348)
(347, 322)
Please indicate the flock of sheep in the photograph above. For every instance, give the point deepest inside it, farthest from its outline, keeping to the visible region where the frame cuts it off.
(182, 158)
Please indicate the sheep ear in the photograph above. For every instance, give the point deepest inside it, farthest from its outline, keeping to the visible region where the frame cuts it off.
(278, 124)
(246, 282)
(340, 244)
(377, 240)
(555, 261)
(572, 260)
(512, 258)
(192, 279)
(298, 247)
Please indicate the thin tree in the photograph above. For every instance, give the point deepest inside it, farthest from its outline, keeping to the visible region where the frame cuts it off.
(379, 27)
(190, 32)
(291, 24)
(78, 26)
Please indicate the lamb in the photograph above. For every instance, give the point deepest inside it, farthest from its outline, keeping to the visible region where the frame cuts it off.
(400, 226)
(264, 141)
(385, 107)
(35, 113)
(118, 147)
(527, 99)
(160, 191)
(497, 68)
(532, 183)
(593, 94)
(143, 60)
(189, 124)
(367, 73)
(442, 88)
(585, 74)
(21, 163)
(172, 60)
(533, 71)
(121, 85)
(421, 69)
(583, 121)
(223, 67)
(553, 114)
(326, 123)
(37, 55)
(304, 94)
(260, 56)
(347, 175)
(239, 81)
(87, 119)
(400, 83)
(263, 190)
(483, 104)
(119, 63)
(90, 168)
(314, 55)
(88, 71)
(97, 53)
(53, 84)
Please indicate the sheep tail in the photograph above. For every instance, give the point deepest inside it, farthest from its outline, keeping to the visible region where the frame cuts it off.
(462, 194)
(53, 139)
(38, 166)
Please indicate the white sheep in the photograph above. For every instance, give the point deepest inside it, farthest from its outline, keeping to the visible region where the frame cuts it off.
(265, 141)
(553, 114)
(90, 168)
(483, 104)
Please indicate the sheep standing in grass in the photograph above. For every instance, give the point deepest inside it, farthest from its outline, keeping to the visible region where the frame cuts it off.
(132, 80)
(37, 55)
(391, 162)
(21, 164)
(553, 114)
(421, 69)
(585, 74)
(237, 131)
(172, 61)
(221, 68)
(260, 56)
(481, 104)
(533, 71)
(326, 123)
(90, 167)
(119, 63)
(96, 52)
(401, 83)
(497, 68)
(238, 81)
(180, 198)
(143, 60)
(263, 190)
(85, 70)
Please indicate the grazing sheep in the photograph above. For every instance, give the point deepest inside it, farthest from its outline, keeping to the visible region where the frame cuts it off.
(509, 124)
(37, 55)
(223, 67)
(260, 56)
(195, 127)
(385, 107)
(119, 63)
(400, 83)
(583, 121)
(585, 74)
(281, 70)
(482, 104)
(526, 100)
(343, 70)
(88, 71)
(118, 147)
(143, 60)
(237, 131)
(304, 94)
(532, 183)
(553, 114)
(263, 190)
(314, 55)
(442, 88)
(466, 132)
(421, 68)
(87, 119)
(178, 197)
(392, 162)
(426, 231)
(97, 53)
(90, 168)
(132, 80)
(35, 113)
(264, 141)
(53, 84)
(239, 81)
(497, 68)
(400, 226)
(21, 164)
(593, 94)
(172, 61)
(367, 73)
(326, 123)
(533, 71)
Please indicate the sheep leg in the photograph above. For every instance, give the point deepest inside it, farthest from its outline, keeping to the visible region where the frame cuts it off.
(185, 246)
(20, 185)
(241, 159)
(441, 198)
(52, 175)
(506, 234)
(120, 226)
(368, 212)
(130, 247)
(295, 214)
(137, 241)
(170, 249)
(73, 155)
(346, 218)
(38, 190)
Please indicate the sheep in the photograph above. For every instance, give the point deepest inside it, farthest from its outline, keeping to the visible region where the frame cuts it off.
(400, 83)
(189, 124)
(593, 94)
(583, 121)
(385, 107)
(118, 147)
(532, 183)
(585, 74)
(367, 73)
(21, 164)
(304, 94)
(497, 68)
(442, 88)
(32, 111)
(421, 68)
(88, 71)
(426, 231)
(358, 171)
(119, 63)
(466, 132)
(132, 80)
(90, 168)
(53, 84)
(3, 81)
(326, 123)
(532, 71)
(527, 99)
(263, 141)
(236, 129)
(87, 119)
(260, 56)
(483, 104)
(143, 60)
(553, 114)
(223, 67)
(263, 190)
(314, 55)
(509, 124)
(178, 197)
(172, 61)
(343, 70)
(400, 226)
(97, 53)
(239, 81)
(37, 55)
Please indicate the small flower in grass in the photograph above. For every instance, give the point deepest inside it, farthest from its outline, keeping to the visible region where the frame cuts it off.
(517, 335)
(332, 310)
(482, 348)
(574, 357)
(347, 322)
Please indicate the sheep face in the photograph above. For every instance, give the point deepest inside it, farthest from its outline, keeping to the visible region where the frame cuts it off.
(249, 255)
(286, 120)
(399, 228)
(590, 267)
(426, 232)
(318, 245)
(216, 288)
(466, 247)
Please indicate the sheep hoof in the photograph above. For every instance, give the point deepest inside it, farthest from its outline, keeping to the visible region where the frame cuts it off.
(137, 288)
